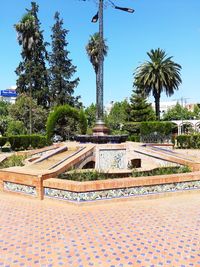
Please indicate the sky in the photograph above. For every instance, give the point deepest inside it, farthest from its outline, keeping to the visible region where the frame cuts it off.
(172, 25)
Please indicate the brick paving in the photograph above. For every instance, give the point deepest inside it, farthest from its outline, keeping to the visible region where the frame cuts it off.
(149, 233)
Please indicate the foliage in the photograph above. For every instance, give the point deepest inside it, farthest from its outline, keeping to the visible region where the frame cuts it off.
(188, 141)
(140, 110)
(61, 68)
(20, 112)
(4, 116)
(4, 107)
(118, 115)
(158, 75)
(38, 141)
(134, 138)
(178, 112)
(90, 113)
(133, 128)
(19, 142)
(160, 127)
(14, 160)
(83, 122)
(15, 128)
(162, 171)
(3, 140)
(64, 121)
(93, 48)
(32, 73)
(95, 175)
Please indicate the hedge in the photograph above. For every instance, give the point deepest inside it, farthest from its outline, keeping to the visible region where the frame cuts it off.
(137, 129)
(62, 111)
(19, 142)
(161, 127)
(3, 140)
(188, 141)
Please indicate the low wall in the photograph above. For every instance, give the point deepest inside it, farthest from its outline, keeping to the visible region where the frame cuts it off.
(80, 192)
(119, 188)
(21, 183)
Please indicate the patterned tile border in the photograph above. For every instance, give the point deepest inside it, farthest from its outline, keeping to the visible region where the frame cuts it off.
(20, 188)
(120, 193)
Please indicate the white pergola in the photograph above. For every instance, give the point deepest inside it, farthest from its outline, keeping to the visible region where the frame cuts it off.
(195, 124)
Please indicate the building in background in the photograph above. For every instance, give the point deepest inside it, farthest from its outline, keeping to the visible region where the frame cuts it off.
(165, 106)
(9, 95)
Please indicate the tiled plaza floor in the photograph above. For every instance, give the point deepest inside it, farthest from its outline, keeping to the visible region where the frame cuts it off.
(157, 232)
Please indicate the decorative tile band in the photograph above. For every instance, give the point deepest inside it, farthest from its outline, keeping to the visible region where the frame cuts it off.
(20, 188)
(120, 193)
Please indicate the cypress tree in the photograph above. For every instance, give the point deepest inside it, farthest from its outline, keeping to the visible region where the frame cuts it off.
(140, 109)
(61, 68)
(32, 70)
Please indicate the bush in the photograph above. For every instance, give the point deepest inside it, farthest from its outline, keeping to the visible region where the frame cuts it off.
(14, 160)
(3, 141)
(160, 127)
(188, 141)
(57, 117)
(133, 128)
(19, 142)
(95, 175)
(162, 171)
(134, 138)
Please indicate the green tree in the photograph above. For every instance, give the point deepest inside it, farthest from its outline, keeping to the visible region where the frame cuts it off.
(61, 68)
(178, 112)
(32, 73)
(4, 106)
(140, 109)
(118, 115)
(20, 112)
(4, 116)
(93, 49)
(15, 128)
(158, 75)
(90, 113)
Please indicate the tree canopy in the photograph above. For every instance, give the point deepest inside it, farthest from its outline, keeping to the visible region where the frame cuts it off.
(140, 109)
(32, 73)
(159, 74)
(61, 68)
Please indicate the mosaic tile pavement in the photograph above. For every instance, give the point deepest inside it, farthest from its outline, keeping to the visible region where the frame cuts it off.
(148, 233)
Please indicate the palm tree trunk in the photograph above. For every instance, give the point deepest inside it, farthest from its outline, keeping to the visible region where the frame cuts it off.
(157, 105)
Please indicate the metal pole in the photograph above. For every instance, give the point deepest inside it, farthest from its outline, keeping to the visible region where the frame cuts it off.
(100, 69)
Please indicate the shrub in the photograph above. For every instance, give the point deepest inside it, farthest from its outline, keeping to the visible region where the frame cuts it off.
(188, 141)
(133, 128)
(14, 160)
(162, 171)
(3, 141)
(19, 142)
(59, 114)
(95, 175)
(161, 127)
(134, 138)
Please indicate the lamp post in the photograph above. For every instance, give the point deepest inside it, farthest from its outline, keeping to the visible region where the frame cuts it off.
(100, 128)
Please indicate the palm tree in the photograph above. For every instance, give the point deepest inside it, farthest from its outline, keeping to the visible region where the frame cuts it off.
(158, 75)
(93, 51)
(28, 37)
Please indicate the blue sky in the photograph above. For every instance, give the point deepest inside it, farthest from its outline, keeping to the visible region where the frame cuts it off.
(173, 25)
